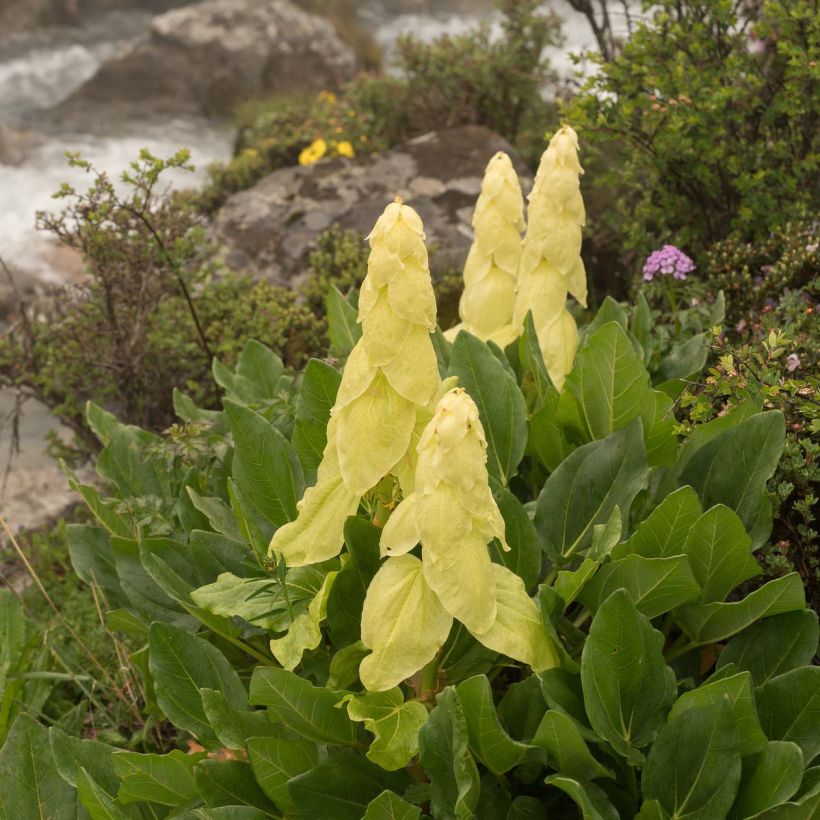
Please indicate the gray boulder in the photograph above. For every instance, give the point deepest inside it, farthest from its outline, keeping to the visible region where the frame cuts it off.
(206, 58)
(269, 229)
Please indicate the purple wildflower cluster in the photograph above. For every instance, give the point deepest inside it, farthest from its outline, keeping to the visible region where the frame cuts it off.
(668, 260)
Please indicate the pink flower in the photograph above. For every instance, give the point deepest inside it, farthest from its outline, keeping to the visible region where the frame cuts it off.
(668, 260)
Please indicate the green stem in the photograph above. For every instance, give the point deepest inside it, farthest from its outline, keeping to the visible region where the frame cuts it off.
(669, 293)
(633, 782)
(582, 619)
(549, 578)
(428, 680)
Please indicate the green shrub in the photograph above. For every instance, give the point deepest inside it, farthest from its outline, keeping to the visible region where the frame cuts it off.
(708, 120)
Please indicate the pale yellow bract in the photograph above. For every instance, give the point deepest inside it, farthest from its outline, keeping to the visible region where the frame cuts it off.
(551, 264)
(486, 306)
(389, 387)
(410, 605)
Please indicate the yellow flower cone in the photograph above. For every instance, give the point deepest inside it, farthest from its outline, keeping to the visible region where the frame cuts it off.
(551, 264)
(453, 514)
(486, 306)
(389, 387)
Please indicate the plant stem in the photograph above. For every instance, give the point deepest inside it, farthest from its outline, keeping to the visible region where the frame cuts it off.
(428, 680)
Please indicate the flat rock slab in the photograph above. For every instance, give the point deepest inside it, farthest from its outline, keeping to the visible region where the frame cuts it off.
(270, 229)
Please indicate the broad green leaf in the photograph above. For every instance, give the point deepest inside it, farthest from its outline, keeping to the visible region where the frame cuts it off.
(733, 469)
(224, 813)
(774, 646)
(709, 623)
(104, 511)
(769, 778)
(487, 739)
(341, 788)
(562, 691)
(93, 559)
(789, 707)
(232, 726)
(719, 552)
(525, 554)
(181, 664)
(32, 786)
(99, 804)
(344, 607)
(389, 806)
(343, 328)
(567, 751)
(735, 690)
(258, 375)
(394, 723)
(641, 326)
(693, 768)
(308, 710)
(661, 438)
(656, 585)
(264, 466)
(499, 400)
(605, 537)
(546, 436)
(317, 395)
(610, 311)
(403, 621)
(586, 487)
(344, 666)
(664, 532)
(212, 554)
(219, 514)
(610, 383)
(275, 760)
(229, 783)
(685, 360)
(186, 409)
(446, 758)
(305, 632)
(652, 810)
(165, 779)
(252, 599)
(592, 801)
(569, 583)
(627, 685)
(522, 708)
(72, 754)
(529, 354)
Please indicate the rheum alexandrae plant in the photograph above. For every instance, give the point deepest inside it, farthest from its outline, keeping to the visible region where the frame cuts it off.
(389, 385)
(411, 603)
(551, 264)
(486, 306)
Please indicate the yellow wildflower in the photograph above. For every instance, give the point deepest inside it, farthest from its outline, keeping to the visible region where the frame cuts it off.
(327, 97)
(345, 149)
(313, 153)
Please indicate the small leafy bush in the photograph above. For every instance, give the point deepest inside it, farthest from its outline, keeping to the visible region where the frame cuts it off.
(674, 693)
(708, 122)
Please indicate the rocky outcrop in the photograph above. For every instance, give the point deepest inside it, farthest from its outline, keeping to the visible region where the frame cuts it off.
(269, 229)
(206, 58)
(16, 146)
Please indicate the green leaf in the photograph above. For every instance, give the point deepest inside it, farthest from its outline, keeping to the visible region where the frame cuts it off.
(525, 554)
(394, 723)
(610, 311)
(546, 436)
(104, 511)
(165, 779)
(344, 666)
(769, 778)
(610, 383)
(446, 758)
(500, 403)
(592, 801)
(567, 751)
(522, 708)
(586, 487)
(389, 806)
(627, 685)
(224, 813)
(656, 585)
(789, 708)
(212, 554)
(733, 469)
(344, 607)
(32, 786)
(93, 559)
(264, 466)
(664, 532)
(568, 584)
(232, 726)
(72, 754)
(181, 664)
(99, 804)
(641, 326)
(693, 769)
(529, 354)
(487, 739)
(229, 783)
(317, 395)
(308, 710)
(661, 437)
(252, 599)
(685, 360)
(774, 646)
(709, 623)
(275, 761)
(258, 375)
(719, 552)
(341, 788)
(652, 810)
(735, 690)
(343, 328)
(562, 691)
(220, 516)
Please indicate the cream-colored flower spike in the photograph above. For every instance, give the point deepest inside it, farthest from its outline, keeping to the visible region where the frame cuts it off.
(551, 264)
(486, 305)
(410, 604)
(389, 387)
